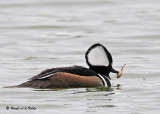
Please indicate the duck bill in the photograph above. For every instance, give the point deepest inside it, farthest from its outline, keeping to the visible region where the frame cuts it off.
(119, 74)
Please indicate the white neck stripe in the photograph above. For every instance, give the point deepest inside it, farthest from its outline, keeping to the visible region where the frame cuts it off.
(102, 78)
(109, 80)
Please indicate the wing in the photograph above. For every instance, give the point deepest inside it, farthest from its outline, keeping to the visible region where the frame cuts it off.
(78, 70)
(44, 74)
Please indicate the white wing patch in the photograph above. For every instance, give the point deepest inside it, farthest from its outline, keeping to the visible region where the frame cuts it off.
(44, 77)
(98, 57)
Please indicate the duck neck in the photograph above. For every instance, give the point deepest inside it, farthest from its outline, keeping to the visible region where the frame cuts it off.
(101, 70)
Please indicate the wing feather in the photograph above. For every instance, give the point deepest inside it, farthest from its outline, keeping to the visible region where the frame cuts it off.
(78, 70)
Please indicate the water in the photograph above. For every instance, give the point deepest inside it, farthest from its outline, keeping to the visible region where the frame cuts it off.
(36, 35)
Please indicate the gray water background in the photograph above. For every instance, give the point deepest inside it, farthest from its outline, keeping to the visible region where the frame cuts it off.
(40, 34)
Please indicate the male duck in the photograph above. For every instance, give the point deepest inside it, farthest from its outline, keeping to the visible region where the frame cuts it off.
(99, 61)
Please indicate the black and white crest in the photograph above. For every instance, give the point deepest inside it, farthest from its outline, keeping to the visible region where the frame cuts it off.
(98, 55)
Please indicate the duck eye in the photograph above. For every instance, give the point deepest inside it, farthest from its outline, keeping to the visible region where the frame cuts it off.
(111, 64)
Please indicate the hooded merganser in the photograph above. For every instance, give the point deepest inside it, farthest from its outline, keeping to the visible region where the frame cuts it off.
(99, 61)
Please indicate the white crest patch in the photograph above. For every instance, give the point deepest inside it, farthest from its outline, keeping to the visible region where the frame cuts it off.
(98, 57)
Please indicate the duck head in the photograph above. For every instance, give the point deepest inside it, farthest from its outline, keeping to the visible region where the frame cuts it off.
(100, 60)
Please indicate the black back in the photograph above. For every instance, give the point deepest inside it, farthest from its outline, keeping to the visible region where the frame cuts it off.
(78, 70)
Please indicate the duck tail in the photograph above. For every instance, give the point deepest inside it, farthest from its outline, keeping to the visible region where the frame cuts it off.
(16, 86)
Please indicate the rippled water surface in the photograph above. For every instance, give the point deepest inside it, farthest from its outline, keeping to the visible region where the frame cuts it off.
(40, 34)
